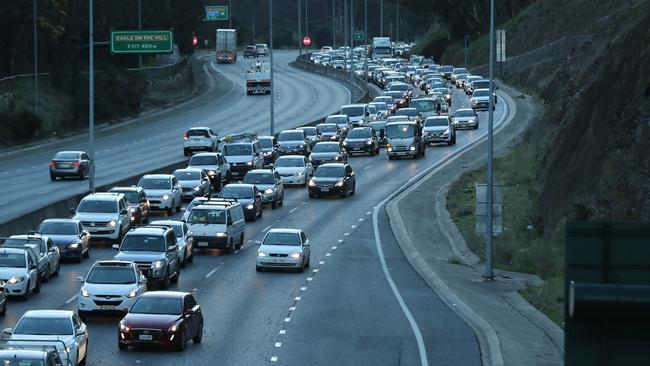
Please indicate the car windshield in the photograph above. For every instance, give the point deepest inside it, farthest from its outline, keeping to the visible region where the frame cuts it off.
(259, 178)
(460, 70)
(423, 105)
(187, 175)
(250, 47)
(359, 133)
(326, 148)
(380, 106)
(400, 87)
(97, 206)
(236, 192)
(143, 243)
(447, 68)
(58, 228)
(156, 305)
(330, 172)
(291, 136)
(353, 111)
(384, 98)
(330, 127)
(238, 150)
(289, 162)
(155, 183)
(266, 143)
(203, 160)
(399, 131)
(15, 260)
(311, 131)
(336, 120)
(131, 196)
(395, 94)
(111, 275)
(205, 216)
(44, 326)
(274, 238)
(178, 230)
(198, 133)
(481, 84)
(22, 360)
(436, 122)
(464, 113)
(410, 112)
(377, 125)
(67, 156)
(481, 93)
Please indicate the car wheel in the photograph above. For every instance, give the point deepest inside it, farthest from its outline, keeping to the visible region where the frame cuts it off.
(82, 173)
(274, 204)
(3, 311)
(241, 242)
(37, 288)
(311, 195)
(46, 278)
(52, 177)
(87, 251)
(80, 257)
(165, 282)
(449, 142)
(177, 276)
(199, 334)
(25, 296)
(282, 200)
(231, 247)
(259, 269)
(390, 157)
(58, 269)
(186, 152)
(184, 262)
(170, 211)
(122, 346)
(82, 315)
(180, 346)
(301, 269)
(476, 127)
(178, 208)
(308, 261)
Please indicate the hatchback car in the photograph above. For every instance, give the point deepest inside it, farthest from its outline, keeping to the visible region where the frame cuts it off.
(269, 149)
(19, 272)
(333, 178)
(69, 236)
(110, 287)
(465, 118)
(313, 134)
(293, 169)
(439, 129)
(269, 183)
(162, 318)
(283, 248)
(70, 164)
(328, 152)
(194, 182)
(163, 190)
(249, 197)
(330, 132)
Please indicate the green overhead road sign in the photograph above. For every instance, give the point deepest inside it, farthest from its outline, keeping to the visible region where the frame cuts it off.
(216, 13)
(138, 42)
(359, 36)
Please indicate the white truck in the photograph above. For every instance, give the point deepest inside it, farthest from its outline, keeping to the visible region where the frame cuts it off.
(381, 48)
(258, 79)
(226, 45)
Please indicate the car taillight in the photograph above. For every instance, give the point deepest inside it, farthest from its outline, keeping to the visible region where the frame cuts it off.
(51, 163)
(76, 163)
(186, 136)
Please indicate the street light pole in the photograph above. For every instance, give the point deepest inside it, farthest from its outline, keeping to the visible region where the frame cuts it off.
(333, 23)
(91, 97)
(229, 14)
(306, 17)
(365, 48)
(489, 274)
(381, 18)
(140, 28)
(397, 21)
(271, 66)
(35, 62)
(300, 27)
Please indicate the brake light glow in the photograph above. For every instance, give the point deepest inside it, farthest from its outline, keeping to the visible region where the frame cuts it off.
(186, 136)
(76, 163)
(51, 163)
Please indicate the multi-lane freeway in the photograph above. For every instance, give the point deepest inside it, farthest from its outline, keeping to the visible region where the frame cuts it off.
(342, 310)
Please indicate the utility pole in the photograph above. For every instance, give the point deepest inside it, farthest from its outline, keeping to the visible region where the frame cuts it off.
(351, 39)
(140, 28)
(306, 17)
(397, 21)
(333, 24)
(300, 27)
(489, 274)
(466, 39)
(35, 62)
(254, 7)
(91, 97)
(230, 14)
(271, 66)
(381, 18)
(365, 48)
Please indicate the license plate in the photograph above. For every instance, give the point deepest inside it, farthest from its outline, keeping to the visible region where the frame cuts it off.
(107, 307)
(145, 337)
(64, 165)
(203, 243)
(356, 148)
(234, 173)
(325, 189)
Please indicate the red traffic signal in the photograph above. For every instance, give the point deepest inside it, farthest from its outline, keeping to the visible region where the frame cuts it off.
(306, 41)
(195, 41)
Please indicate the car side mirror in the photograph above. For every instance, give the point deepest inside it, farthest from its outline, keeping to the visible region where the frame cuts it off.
(80, 332)
(172, 249)
(258, 242)
(115, 247)
(7, 331)
(183, 220)
(52, 249)
(124, 212)
(32, 266)
(142, 279)
(83, 233)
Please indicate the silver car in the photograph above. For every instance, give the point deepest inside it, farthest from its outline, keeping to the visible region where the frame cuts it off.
(283, 248)
(294, 169)
(465, 118)
(184, 239)
(163, 191)
(70, 164)
(194, 182)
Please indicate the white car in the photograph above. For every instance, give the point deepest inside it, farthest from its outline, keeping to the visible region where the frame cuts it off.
(19, 271)
(110, 286)
(200, 138)
(283, 248)
(195, 202)
(104, 215)
(60, 327)
(184, 239)
(163, 191)
(294, 169)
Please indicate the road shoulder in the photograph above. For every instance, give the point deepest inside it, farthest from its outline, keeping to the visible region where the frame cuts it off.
(509, 330)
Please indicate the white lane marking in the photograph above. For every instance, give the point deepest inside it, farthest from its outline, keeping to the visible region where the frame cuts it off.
(328, 254)
(282, 331)
(321, 262)
(73, 298)
(18, 181)
(274, 359)
(297, 298)
(341, 240)
(346, 234)
(316, 269)
(278, 344)
(295, 208)
(287, 319)
(266, 228)
(303, 289)
(3, 203)
(353, 227)
(45, 191)
(361, 219)
(334, 247)
(369, 213)
(195, 289)
(292, 308)
(367, 167)
(310, 278)
(210, 273)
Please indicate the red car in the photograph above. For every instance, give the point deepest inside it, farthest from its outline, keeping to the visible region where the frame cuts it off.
(164, 318)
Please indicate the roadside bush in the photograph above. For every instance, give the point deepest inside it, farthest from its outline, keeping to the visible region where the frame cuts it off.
(19, 126)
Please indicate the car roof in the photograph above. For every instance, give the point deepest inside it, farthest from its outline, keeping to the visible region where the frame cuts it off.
(302, 157)
(148, 230)
(409, 122)
(157, 176)
(165, 294)
(354, 105)
(188, 170)
(11, 250)
(261, 171)
(464, 110)
(332, 165)
(482, 89)
(206, 154)
(286, 231)
(125, 189)
(29, 354)
(327, 124)
(75, 221)
(166, 222)
(48, 313)
(245, 185)
(105, 196)
(198, 128)
(328, 143)
(70, 152)
(113, 263)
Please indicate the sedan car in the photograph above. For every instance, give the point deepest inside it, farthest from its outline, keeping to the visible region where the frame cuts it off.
(283, 248)
(184, 239)
(138, 201)
(19, 272)
(163, 190)
(111, 286)
(293, 142)
(70, 164)
(294, 169)
(333, 178)
(330, 132)
(269, 183)
(54, 325)
(162, 318)
(361, 140)
(341, 120)
(465, 118)
(313, 134)
(328, 152)
(69, 236)
(194, 182)
(248, 196)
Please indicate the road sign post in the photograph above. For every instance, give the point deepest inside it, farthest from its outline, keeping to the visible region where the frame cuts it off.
(501, 50)
(217, 13)
(306, 41)
(139, 42)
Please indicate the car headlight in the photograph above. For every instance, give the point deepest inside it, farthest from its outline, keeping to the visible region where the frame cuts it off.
(173, 328)
(300, 174)
(339, 183)
(333, 138)
(249, 163)
(124, 327)
(73, 246)
(165, 197)
(132, 210)
(262, 254)
(112, 223)
(301, 146)
(269, 191)
(337, 157)
(369, 142)
(345, 142)
(250, 207)
(158, 264)
(85, 293)
(412, 148)
(197, 188)
(132, 294)
(296, 255)
(268, 153)
(221, 235)
(446, 132)
(312, 183)
(212, 172)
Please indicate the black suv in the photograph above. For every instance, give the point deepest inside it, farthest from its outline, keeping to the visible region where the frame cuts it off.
(361, 140)
(332, 179)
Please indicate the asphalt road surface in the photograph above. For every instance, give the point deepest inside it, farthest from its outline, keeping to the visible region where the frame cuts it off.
(340, 311)
(157, 141)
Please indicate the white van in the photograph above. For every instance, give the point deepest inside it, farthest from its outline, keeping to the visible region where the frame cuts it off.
(217, 223)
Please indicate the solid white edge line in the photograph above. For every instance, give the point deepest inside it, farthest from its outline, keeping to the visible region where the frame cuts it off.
(70, 299)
